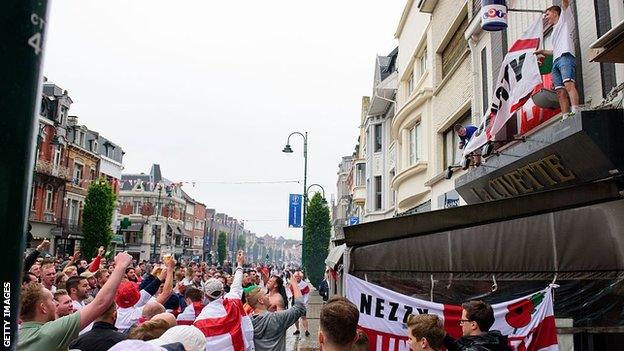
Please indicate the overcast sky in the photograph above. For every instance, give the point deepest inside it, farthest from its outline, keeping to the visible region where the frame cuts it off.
(211, 89)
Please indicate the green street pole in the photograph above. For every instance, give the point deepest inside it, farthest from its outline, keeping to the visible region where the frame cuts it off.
(23, 26)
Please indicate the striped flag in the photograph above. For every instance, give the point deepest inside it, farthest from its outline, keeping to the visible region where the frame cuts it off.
(190, 313)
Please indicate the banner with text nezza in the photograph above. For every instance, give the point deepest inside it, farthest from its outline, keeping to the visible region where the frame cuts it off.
(295, 202)
(528, 322)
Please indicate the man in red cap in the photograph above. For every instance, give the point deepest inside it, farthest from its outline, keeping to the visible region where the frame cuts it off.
(131, 300)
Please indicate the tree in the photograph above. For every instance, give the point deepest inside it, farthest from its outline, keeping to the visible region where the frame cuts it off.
(317, 234)
(97, 216)
(222, 247)
(240, 243)
(255, 251)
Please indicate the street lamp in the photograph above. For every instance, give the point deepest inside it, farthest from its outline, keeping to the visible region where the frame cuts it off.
(322, 189)
(157, 210)
(287, 149)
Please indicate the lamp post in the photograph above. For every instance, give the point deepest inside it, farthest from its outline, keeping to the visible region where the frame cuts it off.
(287, 149)
(322, 189)
(157, 210)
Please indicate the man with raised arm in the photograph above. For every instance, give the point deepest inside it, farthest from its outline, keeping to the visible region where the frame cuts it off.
(564, 56)
(223, 320)
(41, 330)
(270, 327)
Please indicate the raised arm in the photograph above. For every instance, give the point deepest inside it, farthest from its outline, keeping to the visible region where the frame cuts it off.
(30, 260)
(236, 290)
(565, 4)
(95, 264)
(168, 287)
(105, 296)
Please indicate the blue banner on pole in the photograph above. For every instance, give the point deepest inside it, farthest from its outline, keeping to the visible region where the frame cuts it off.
(295, 202)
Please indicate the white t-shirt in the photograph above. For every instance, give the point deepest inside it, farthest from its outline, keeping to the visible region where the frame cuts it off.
(563, 34)
(126, 317)
(77, 305)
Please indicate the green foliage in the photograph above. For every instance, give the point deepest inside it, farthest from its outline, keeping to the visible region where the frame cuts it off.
(240, 242)
(317, 235)
(255, 251)
(96, 218)
(222, 247)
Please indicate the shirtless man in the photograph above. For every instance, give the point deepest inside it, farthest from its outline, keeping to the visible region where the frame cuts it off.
(275, 286)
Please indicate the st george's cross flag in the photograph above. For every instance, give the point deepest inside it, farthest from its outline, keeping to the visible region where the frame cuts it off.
(528, 322)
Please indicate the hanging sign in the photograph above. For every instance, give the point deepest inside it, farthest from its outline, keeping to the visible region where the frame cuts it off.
(294, 210)
(493, 15)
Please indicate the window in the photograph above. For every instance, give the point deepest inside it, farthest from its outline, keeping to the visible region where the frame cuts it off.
(485, 98)
(377, 135)
(392, 192)
(410, 84)
(199, 224)
(92, 173)
(133, 238)
(360, 174)
(455, 48)
(196, 241)
(414, 135)
(110, 151)
(190, 208)
(452, 153)
(64, 111)
(57, 156)
(49, 199)
(378, 193)
(136, 208)
(603, 25)
(78, 171)
(33, 197)
(188, 225)
(422, 62)
(80, 138)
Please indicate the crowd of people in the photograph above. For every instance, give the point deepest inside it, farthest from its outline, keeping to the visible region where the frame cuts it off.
(122, 304)
(127, 305)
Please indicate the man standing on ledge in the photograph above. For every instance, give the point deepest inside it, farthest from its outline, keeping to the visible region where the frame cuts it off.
(563, 52)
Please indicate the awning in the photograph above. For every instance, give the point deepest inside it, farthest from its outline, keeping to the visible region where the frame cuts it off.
(609, 47)
(134, 227)
(42, 230)
(571, 231)
(175, 229)
(335, 255)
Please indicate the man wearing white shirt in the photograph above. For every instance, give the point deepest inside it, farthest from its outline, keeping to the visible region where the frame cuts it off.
(78, 289)
(48, 274)
(563, 52)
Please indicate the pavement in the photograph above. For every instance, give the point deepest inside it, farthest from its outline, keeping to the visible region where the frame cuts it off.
(301, 342)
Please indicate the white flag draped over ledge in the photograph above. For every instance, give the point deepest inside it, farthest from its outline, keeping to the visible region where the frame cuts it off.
(518, 76)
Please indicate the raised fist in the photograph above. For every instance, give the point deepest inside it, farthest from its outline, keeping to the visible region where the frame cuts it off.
(123, 259)
(101, 251)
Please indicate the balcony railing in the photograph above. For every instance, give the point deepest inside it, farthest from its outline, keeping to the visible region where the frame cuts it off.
(58, 171)
(476, 7)
(47, 217)
(72, 226)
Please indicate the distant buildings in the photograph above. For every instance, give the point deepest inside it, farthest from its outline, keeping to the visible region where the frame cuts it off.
(69, 157)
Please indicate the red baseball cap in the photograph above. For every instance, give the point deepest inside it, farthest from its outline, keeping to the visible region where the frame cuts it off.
(127, 295)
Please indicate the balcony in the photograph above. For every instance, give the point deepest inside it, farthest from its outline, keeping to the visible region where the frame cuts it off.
(46, 218)
(50, 169)
(71, 227)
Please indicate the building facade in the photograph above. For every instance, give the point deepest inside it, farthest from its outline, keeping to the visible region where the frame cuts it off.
(378, 148)
(51, 171)
(155, 208)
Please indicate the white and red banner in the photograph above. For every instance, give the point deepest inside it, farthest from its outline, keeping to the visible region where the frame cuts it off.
(528, 322)
(518, 77)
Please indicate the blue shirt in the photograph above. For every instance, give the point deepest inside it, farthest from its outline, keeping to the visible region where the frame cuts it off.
(470, 130)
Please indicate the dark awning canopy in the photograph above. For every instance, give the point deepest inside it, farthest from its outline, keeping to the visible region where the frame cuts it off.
(573, 230)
